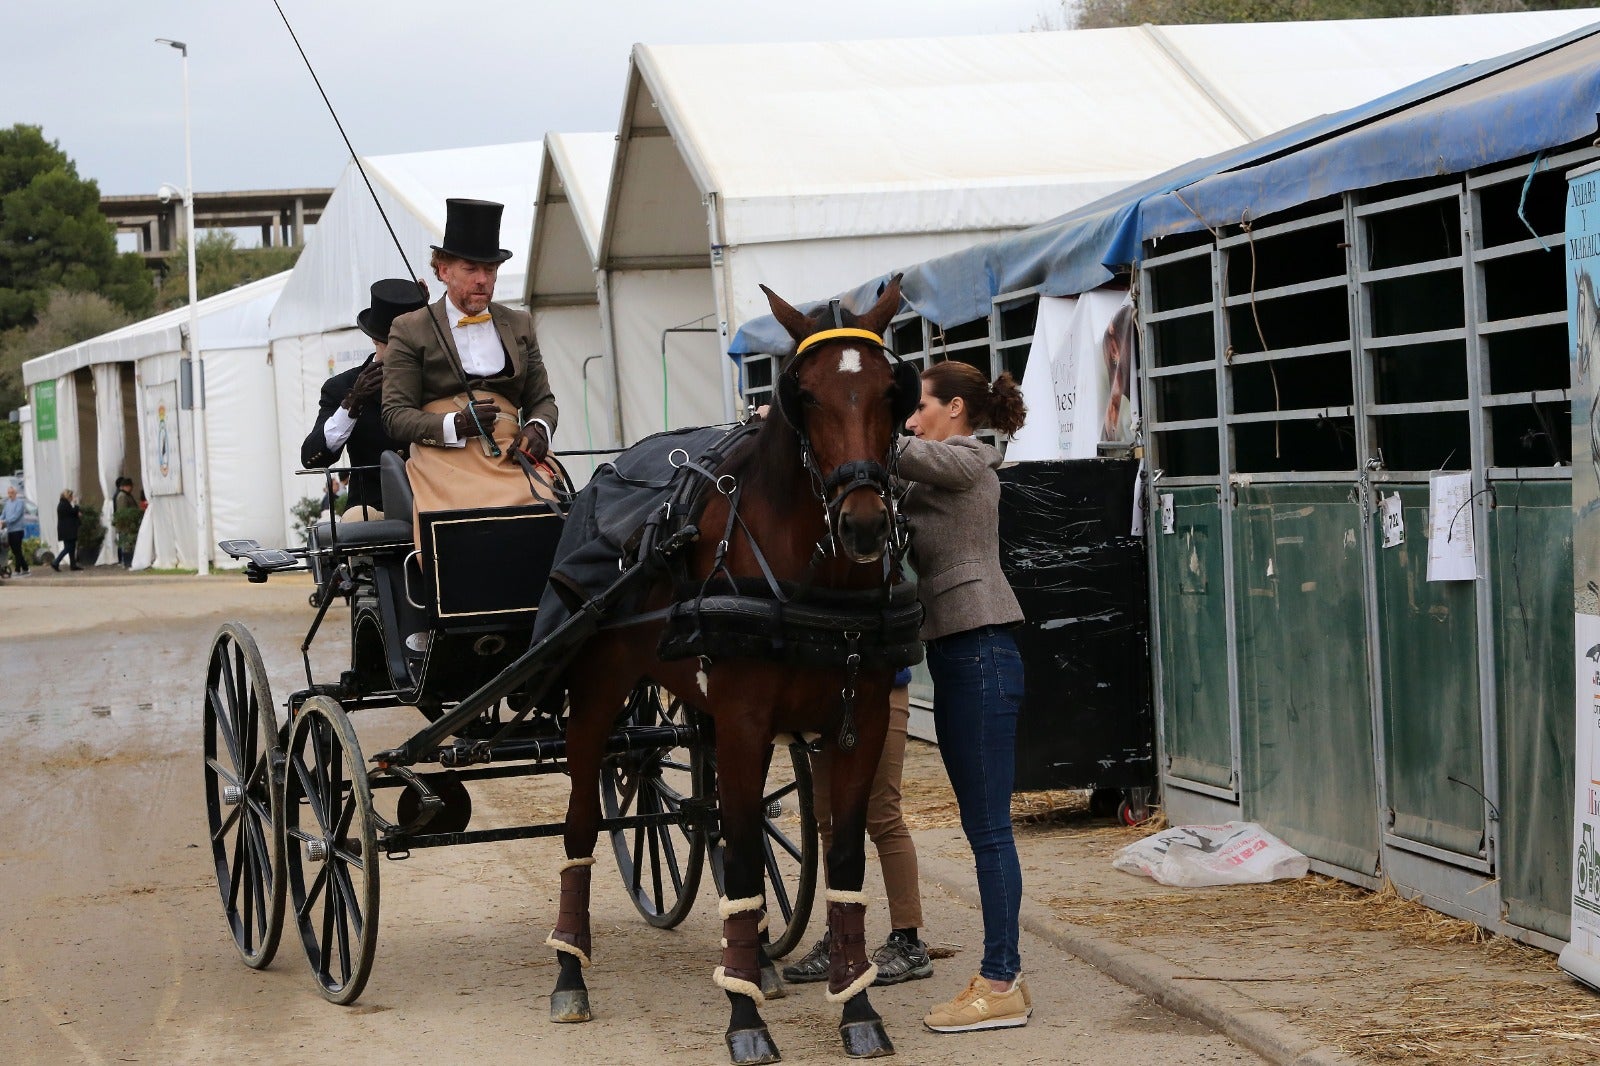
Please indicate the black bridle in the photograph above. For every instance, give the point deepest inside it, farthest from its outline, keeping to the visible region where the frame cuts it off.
(878, 476)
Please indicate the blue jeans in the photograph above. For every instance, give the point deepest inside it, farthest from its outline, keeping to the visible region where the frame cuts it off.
(977, 692)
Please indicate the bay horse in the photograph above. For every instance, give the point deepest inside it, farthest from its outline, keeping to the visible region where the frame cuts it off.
(816, 473)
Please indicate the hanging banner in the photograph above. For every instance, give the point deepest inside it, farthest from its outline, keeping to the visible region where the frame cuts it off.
(1581, 956)
(1079, 380)
(44, 410)
(163, 465)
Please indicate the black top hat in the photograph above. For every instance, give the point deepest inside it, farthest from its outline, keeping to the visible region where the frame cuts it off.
(391, 298)
(472, 231)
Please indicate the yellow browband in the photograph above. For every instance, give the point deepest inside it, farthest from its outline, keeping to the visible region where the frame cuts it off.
(838, 334)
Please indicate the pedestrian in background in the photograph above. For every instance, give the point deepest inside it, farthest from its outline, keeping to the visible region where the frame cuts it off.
(123, 500)
(13, 513)
(69, 517)
(953, 508)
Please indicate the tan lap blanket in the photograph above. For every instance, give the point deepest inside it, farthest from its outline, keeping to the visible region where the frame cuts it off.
(453, 479)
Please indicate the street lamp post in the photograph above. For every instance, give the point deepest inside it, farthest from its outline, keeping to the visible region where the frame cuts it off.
(202, 492)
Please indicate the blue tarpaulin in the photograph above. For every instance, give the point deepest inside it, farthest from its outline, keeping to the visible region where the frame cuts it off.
(1472, 116)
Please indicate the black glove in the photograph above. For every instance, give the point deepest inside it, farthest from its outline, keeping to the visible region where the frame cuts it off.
(466, 426)
(532, 441)
(368, 384)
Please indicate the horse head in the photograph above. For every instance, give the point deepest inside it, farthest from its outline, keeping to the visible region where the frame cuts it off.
(845, 394)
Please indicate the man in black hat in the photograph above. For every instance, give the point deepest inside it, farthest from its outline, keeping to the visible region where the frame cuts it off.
(474, 370)
(350, 414)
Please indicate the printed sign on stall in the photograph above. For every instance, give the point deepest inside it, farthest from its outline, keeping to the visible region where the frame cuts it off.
(1581, 957)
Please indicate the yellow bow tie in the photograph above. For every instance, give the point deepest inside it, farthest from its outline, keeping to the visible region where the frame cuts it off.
(473, 320)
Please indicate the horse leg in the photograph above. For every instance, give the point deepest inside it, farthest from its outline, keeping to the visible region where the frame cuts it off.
(850, 973)
(587, 727)
(739, 781)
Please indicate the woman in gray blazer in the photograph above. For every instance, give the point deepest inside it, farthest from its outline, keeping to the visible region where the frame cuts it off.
(953, 505)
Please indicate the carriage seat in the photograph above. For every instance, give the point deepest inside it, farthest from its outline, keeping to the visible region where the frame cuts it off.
(396, 488)
(363, 536)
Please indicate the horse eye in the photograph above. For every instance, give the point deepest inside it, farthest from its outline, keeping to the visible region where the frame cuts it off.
(808, 398)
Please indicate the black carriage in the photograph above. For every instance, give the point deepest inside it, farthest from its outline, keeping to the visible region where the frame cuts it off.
(289, 791)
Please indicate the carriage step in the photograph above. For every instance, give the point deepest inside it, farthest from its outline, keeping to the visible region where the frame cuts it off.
(261, 561)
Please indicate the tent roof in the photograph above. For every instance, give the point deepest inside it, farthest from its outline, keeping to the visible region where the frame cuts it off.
(1489, 111)
(350, 247)
(859, 138)
(233, 319)
(567, 217)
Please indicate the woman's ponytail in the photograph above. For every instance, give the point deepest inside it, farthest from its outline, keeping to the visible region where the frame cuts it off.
(997, 406)
(1007, 411)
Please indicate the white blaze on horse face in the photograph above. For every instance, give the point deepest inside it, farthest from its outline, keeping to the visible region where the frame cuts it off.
(701, 680)
(850, 361)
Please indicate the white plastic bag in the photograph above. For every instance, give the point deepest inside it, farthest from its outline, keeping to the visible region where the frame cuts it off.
(1194, 856)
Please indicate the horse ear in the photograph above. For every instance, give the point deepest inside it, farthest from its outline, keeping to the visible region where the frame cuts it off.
(888, 305)
(790, 319)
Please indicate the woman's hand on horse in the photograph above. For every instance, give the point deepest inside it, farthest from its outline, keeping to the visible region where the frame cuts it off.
(482, 426)
(532, 441)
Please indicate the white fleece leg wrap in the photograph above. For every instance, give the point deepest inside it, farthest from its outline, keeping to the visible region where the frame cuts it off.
(570, 863)
(841, 895)
(860, 984)
(744, 988)
(568, 948)
(727, 908)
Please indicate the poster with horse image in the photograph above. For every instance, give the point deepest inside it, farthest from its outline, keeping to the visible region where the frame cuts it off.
(1581, 957)
(163, 463)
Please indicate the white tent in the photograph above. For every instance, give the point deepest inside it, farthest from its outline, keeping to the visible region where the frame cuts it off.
(808, 167)
(312, 328)
(561, 293)
(113, 405)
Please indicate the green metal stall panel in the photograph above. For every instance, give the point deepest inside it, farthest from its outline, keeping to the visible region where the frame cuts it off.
(1194, 643)
(1531, 546)
(1305, 721)
(1432, 726)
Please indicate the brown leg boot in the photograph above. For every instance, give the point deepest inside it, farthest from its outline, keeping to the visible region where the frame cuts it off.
(849, 970)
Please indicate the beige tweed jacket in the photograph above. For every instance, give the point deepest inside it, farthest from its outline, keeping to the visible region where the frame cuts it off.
(417, 371)
(953, 507)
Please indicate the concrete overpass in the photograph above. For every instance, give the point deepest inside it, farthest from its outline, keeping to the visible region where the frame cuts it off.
(282, 215)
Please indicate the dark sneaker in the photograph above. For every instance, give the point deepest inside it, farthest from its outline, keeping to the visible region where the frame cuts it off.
(813, 967)
(902, 959)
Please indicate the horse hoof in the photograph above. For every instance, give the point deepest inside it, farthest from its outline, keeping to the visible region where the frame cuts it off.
(772, 986)
(571, 1005)
(866, 1040)
(749, 1046)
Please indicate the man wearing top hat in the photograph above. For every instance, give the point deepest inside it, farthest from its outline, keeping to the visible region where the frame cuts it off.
(350, 414)
(464, 371)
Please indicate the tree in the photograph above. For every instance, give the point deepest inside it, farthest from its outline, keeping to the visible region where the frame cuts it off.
(53, 236)
(68, 317)
(1096, 14)
(219, 265)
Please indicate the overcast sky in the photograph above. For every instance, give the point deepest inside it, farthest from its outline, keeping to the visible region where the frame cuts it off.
(404, 75)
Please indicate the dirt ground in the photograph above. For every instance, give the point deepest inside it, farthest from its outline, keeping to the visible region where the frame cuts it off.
(113, 947)
(1375, 976)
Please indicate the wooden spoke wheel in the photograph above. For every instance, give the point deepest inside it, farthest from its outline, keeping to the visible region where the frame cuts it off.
(331, 851)
(661, 864)
(243, 746)
(789, 842)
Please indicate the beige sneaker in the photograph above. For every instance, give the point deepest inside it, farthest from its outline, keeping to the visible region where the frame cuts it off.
(981, 1007)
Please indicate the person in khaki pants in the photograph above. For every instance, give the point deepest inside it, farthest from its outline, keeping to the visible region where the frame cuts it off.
(903, 956)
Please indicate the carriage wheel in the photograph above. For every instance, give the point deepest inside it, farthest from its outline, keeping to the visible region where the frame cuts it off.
(661, 865)
(331, 849)
(789, 842)
(242, 745)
